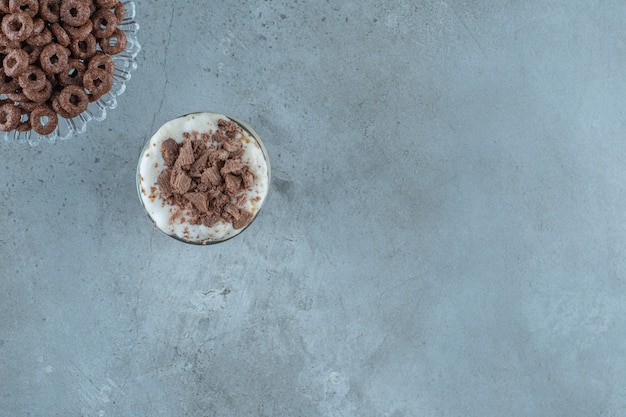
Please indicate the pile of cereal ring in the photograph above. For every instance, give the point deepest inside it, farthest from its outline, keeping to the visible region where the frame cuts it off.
(55, 59)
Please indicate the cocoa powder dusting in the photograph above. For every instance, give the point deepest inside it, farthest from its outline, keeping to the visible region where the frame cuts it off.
(206, 176)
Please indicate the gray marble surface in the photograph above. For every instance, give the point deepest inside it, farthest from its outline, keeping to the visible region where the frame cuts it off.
(445, 234)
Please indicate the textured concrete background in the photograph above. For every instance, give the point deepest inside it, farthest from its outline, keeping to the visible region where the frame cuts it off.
(445, 236)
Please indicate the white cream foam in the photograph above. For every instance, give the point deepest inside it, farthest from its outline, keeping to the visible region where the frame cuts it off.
(151, 164)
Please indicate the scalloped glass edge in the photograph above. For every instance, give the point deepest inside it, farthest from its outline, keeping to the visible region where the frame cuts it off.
(125, 63)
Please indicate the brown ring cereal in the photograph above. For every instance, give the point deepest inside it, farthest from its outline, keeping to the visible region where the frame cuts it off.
(56, 106)
(17, 95)
(17, 26)
(33, 53)
(73, 99)
(80, 32)
(74, 73)
(60, 34)
(39, 96)
(119, 43)
(102, 61)
(120, 11)
(27, 105)
(98, 82)
(40, 39)
(84, 49)
(53, 58)
(38, 25)
(28, 6)
(24, 125)
(49, 10)
(15, 62)
(9, 117)
(56, 58)
(7, 84)
(75, 12)
(36, 116)
(105, 3)
(104, 23)
(32, 78)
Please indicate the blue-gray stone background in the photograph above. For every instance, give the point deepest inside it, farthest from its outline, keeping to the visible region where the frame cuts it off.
(445, 234)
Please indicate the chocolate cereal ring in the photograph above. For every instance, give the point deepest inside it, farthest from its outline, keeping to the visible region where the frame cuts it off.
(49, 10)
(105, 3)
(98, 82)
(27, 105)
(39, 96)
(84, 49)
(15, 62)
(8, 44)
(53, 58)
(115, 43)
(17, 26)
(32, 78)
(33, 53)
(104, 23)
(73, 75)
(4, 6)
(41, 113)
(60, 34)
(38, 25)
(74, 12)
(56, 106)
(80, 32)
(7, 84)
(120, 11)
(73, 99)
(17, 96)
(102, 61)
(24, 125)
(9, 117)
(40, 39)
(28, 6)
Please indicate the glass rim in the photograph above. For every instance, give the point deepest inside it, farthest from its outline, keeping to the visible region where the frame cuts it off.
(251, 132)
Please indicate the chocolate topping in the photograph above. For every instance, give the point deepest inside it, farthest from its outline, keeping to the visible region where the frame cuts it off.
(186, 154)
(164, 183)
(207, 177)
(229, 127)
(199, 201)
(233, 184)
(169, 150)
(232, 145)
(248, 179)
(245, 217)
(179, 181)
(212, 175)
(232, 166)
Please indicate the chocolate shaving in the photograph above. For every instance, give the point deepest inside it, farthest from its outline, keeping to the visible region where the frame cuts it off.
(186, 154)
(233, 184)
(212, 175)
(169, 150)
(207, 177)
(245, 217)
(248, 179)
(232, 210)
(232, 145)
(200, 164)
(232, 166)
(164, 183)
(179, 181)
(199, 201)
(219, 155)
(229, 127)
